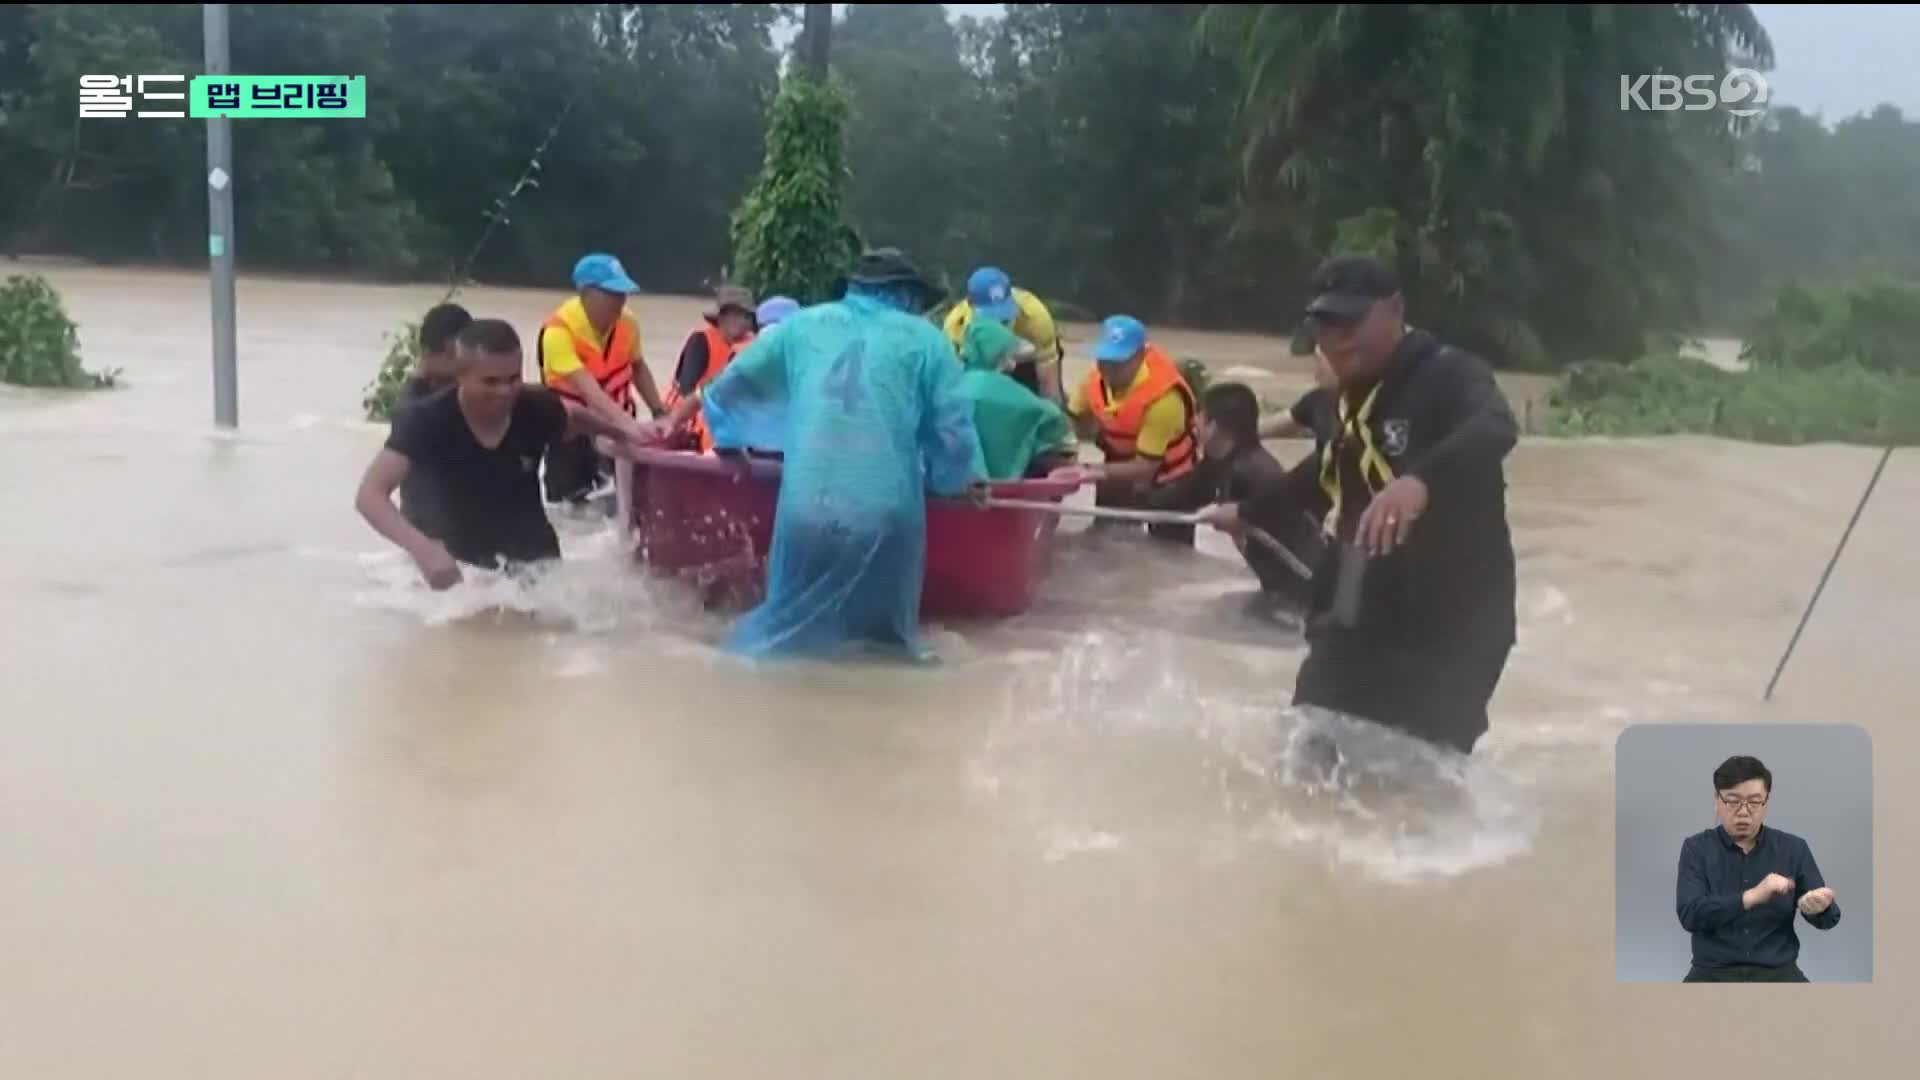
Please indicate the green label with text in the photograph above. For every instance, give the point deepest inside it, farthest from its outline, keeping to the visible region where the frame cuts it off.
(255, 97)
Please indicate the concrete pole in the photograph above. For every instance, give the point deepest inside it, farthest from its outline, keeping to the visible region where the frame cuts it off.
(226, 389)
(817, 31)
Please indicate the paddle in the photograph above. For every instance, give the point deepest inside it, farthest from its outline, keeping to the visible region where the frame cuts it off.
(1147, 517)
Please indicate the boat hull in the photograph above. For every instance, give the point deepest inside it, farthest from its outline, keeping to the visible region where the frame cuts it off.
(691, 518)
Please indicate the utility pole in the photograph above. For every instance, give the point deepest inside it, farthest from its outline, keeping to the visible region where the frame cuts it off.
(817, 30)
(226, 390)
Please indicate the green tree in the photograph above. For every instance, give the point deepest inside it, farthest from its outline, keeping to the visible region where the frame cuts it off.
(791, 234)
(919, 137)
(1483, 148)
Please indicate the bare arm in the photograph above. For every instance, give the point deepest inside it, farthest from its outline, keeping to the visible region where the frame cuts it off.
(581, 421)
(374, 501)
(643, 381)
(1137, 473)
(596, 398)
(1047, 371)
(682, 412)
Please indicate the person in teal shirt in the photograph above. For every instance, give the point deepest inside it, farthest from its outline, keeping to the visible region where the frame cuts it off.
(1020, 431)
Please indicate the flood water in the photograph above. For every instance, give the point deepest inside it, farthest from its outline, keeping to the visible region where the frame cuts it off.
(268, 808)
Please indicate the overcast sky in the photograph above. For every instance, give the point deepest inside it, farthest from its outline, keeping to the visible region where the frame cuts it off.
(1844, 58)
(1835, 60)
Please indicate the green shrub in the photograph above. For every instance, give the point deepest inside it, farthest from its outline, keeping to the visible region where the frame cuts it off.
(1670, 394)
(403, 355)
(39, 344)
(1872, 321)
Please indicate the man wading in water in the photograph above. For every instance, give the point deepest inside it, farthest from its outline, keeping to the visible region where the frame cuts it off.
(439, 360)
(475, 448)
(1408, 467)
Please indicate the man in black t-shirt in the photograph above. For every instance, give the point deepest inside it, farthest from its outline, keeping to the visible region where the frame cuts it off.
(475, 449)
(439, 334)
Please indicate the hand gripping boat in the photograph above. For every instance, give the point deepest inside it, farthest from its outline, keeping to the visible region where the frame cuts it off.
(689, 516)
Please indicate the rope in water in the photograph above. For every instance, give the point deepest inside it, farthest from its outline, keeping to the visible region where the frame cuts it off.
(1831, 563)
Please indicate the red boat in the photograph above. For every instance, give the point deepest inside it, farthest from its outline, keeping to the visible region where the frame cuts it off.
(691, 518)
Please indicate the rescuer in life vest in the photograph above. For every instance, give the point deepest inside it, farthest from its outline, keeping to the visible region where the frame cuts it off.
(728, 326)
(590, 355)
(1136, 405)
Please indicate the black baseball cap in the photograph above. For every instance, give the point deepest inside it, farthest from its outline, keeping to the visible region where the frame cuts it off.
(1345, 286)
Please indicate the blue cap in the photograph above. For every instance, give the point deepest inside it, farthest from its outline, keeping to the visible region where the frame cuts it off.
(990, 294)
(1121, 339)
(774, 309)
(602, 272)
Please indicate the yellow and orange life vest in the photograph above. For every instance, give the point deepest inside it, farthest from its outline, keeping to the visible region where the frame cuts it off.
(611, 367)
(1119, 429)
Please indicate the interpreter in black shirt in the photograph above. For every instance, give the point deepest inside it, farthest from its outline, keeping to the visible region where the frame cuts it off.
(1233, 465)
(1408, 471)
(439, 332)
(1741, 883)
(476, 448)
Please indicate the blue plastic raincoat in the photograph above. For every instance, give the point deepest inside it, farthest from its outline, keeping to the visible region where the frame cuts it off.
(863, 399)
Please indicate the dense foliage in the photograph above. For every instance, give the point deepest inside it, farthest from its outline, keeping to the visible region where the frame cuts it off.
(1836, 360)
(1670, 394)
(1872, 322)
(791, 236)
(1182, 162)
(669, 103)
(403, 356)
(39, 344)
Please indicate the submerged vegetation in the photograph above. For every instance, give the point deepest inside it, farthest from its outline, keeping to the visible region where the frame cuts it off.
(1833, 361)
(39, 344)
(1672, 394)
(403, 355)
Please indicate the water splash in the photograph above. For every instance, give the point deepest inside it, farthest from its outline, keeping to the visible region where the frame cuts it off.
(1365, 797)
(1124, 728)
(594, 589)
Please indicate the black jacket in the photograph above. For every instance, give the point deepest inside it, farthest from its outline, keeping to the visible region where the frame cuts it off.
(1439, 416)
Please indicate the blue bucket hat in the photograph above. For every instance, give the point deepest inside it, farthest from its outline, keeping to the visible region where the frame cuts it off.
(601, 271)
(990, 294)
(1121, 339)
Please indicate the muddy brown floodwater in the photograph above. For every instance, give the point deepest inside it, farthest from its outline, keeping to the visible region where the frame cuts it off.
(269, 809)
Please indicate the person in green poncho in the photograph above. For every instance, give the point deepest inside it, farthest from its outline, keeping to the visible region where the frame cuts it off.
(1021, 433)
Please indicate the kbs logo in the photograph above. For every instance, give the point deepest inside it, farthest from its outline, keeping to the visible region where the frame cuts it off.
(1741, 92)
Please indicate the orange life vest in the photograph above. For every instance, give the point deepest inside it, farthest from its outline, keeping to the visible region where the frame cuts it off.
(1120, 429)
(612, 367)
(720, 353)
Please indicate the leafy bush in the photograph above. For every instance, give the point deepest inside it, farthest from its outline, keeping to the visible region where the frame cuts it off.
(403, 355)
(1668, 394)
(1872, 321)
(39, 345)
(790, 235)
